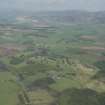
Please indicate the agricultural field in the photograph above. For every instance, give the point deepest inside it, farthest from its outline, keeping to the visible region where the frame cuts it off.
(47, 64)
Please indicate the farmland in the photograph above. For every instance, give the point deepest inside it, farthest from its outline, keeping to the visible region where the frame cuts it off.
(52, 64)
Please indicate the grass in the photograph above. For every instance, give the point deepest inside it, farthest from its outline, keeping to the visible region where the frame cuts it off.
(64, 84)
(8, 89)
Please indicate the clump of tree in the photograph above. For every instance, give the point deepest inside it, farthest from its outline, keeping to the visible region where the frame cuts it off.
(101, 73)
(16, 60)
(3, 66)
(24, 98)
(100, 65)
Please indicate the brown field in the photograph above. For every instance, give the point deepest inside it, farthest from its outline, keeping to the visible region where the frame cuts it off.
(87, 37)
(12, 46)
(101, 58)
(94, 48)
(8, 51)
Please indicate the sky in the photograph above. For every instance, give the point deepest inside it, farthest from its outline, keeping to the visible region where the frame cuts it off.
(43, 5)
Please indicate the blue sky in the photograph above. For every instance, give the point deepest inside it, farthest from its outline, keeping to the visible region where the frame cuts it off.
(90, 5)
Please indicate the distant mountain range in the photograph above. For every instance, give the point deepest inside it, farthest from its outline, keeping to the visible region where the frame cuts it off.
(67, 16)
(74, 16)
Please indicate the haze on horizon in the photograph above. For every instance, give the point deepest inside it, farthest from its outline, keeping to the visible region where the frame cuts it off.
(45, 5)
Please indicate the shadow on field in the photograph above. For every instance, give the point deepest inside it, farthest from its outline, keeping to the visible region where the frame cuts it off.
(81, 97)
